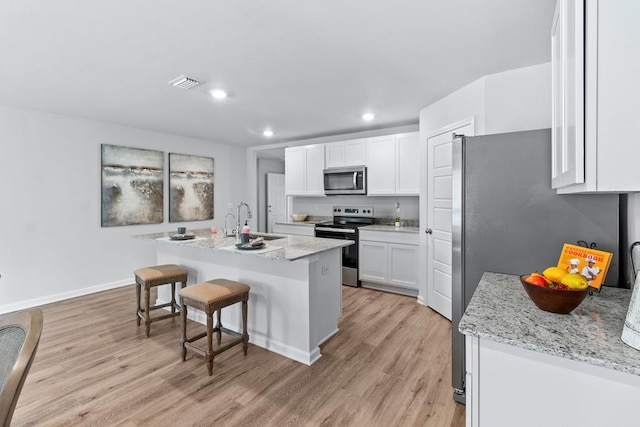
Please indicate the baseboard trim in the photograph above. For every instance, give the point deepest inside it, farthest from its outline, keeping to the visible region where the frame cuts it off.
(260, 340)
(36, 302)
(389, 288)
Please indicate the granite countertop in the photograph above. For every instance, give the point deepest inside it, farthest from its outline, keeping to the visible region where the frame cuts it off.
(501, 311)
(289, 248)
(385, 227)
(310, 221)
(304, 223)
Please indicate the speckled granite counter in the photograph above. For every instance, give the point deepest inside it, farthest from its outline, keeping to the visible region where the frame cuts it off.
(300, 223)
(501, 311)
(288, 248)
(383, 227)
(309, 222)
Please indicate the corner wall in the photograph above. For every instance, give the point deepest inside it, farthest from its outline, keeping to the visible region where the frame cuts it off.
(53, 246)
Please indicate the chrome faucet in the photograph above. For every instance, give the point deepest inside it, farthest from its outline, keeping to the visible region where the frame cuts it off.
(238, 226)
(225, 230)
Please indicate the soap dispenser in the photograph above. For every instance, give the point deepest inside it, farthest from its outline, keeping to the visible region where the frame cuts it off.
(244, 234)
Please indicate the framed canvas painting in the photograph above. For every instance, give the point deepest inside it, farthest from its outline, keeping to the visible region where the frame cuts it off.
(190, 188)
(132, 186)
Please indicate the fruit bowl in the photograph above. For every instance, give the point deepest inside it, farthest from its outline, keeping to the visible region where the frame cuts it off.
(298, 217)
(561, 301)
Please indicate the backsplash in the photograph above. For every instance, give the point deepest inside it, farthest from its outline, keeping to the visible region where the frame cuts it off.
(383, 207)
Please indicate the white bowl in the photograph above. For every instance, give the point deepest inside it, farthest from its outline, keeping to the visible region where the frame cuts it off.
(298, 217)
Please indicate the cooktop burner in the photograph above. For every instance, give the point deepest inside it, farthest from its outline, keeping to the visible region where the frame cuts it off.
(350, 217)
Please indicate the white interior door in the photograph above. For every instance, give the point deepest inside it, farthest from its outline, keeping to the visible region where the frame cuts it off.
(439, 192)
(276, 200)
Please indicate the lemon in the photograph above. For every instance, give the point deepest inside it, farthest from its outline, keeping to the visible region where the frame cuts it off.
(574, 281)
(555, 274)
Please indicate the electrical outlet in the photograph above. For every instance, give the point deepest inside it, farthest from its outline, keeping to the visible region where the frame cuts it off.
(230, 205)
(325, 270)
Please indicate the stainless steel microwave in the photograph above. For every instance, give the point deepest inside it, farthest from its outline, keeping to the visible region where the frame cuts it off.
(347, 180)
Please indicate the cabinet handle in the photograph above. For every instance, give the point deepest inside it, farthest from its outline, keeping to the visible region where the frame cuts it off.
(428, 231)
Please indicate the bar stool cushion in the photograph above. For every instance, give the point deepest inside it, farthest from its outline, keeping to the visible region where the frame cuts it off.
(160, 275)
(214, 290)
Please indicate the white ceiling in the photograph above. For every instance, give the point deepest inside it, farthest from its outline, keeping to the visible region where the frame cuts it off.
(306, 68)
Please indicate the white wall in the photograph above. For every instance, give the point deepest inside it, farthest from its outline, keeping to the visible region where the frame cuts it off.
(265, 166)
(517, 100)
(510, 101)
(52, 245)
(466, 102)
(383, 207)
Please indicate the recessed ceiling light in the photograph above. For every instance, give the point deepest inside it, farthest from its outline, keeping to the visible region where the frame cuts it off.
(268, 133)
(218, 94)
(368, 116)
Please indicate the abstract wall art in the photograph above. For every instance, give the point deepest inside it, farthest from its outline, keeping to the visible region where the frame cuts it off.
(132, 186)
(190, 188)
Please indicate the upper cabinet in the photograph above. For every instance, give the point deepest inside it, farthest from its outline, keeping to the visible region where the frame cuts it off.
(596, 95)
(303, 170)
(393, 165)
(345, 153)
(392, 161)
(408, 163)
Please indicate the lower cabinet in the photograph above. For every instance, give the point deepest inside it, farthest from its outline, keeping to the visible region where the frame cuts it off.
(389, 258)
(507, 386)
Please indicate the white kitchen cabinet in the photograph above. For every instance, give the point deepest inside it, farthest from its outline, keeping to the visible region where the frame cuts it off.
(393, 165)
(504, 385)
(294, 161)
(346, 153)
(355, 152)
(334, 154)
(303, 170)
(381, 169)
(567, 47)
(403, 263)
(314, 177)
(408, 164)
(372, 258)
(596, 96)
(389, 258)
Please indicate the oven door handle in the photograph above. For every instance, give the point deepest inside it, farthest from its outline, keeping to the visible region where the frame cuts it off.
(337, 230)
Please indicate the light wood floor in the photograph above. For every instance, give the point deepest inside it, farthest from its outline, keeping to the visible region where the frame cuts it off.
(388, 366)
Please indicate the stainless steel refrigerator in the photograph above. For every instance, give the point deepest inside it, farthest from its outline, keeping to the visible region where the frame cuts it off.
(507, 219)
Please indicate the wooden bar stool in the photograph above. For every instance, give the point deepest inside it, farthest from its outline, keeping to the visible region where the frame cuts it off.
(148, 277)
(209, 297)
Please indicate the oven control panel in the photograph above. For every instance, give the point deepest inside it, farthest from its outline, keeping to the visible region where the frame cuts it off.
(360, 211)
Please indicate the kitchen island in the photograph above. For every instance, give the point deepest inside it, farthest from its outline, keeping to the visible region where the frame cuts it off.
(296, 291)
(528, 367)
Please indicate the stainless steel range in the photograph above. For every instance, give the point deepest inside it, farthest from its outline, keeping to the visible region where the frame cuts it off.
(346, 220)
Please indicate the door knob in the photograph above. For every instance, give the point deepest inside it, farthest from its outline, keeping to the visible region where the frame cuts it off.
(428, 231)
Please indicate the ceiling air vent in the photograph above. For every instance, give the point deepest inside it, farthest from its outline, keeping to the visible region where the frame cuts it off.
(184, 82)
